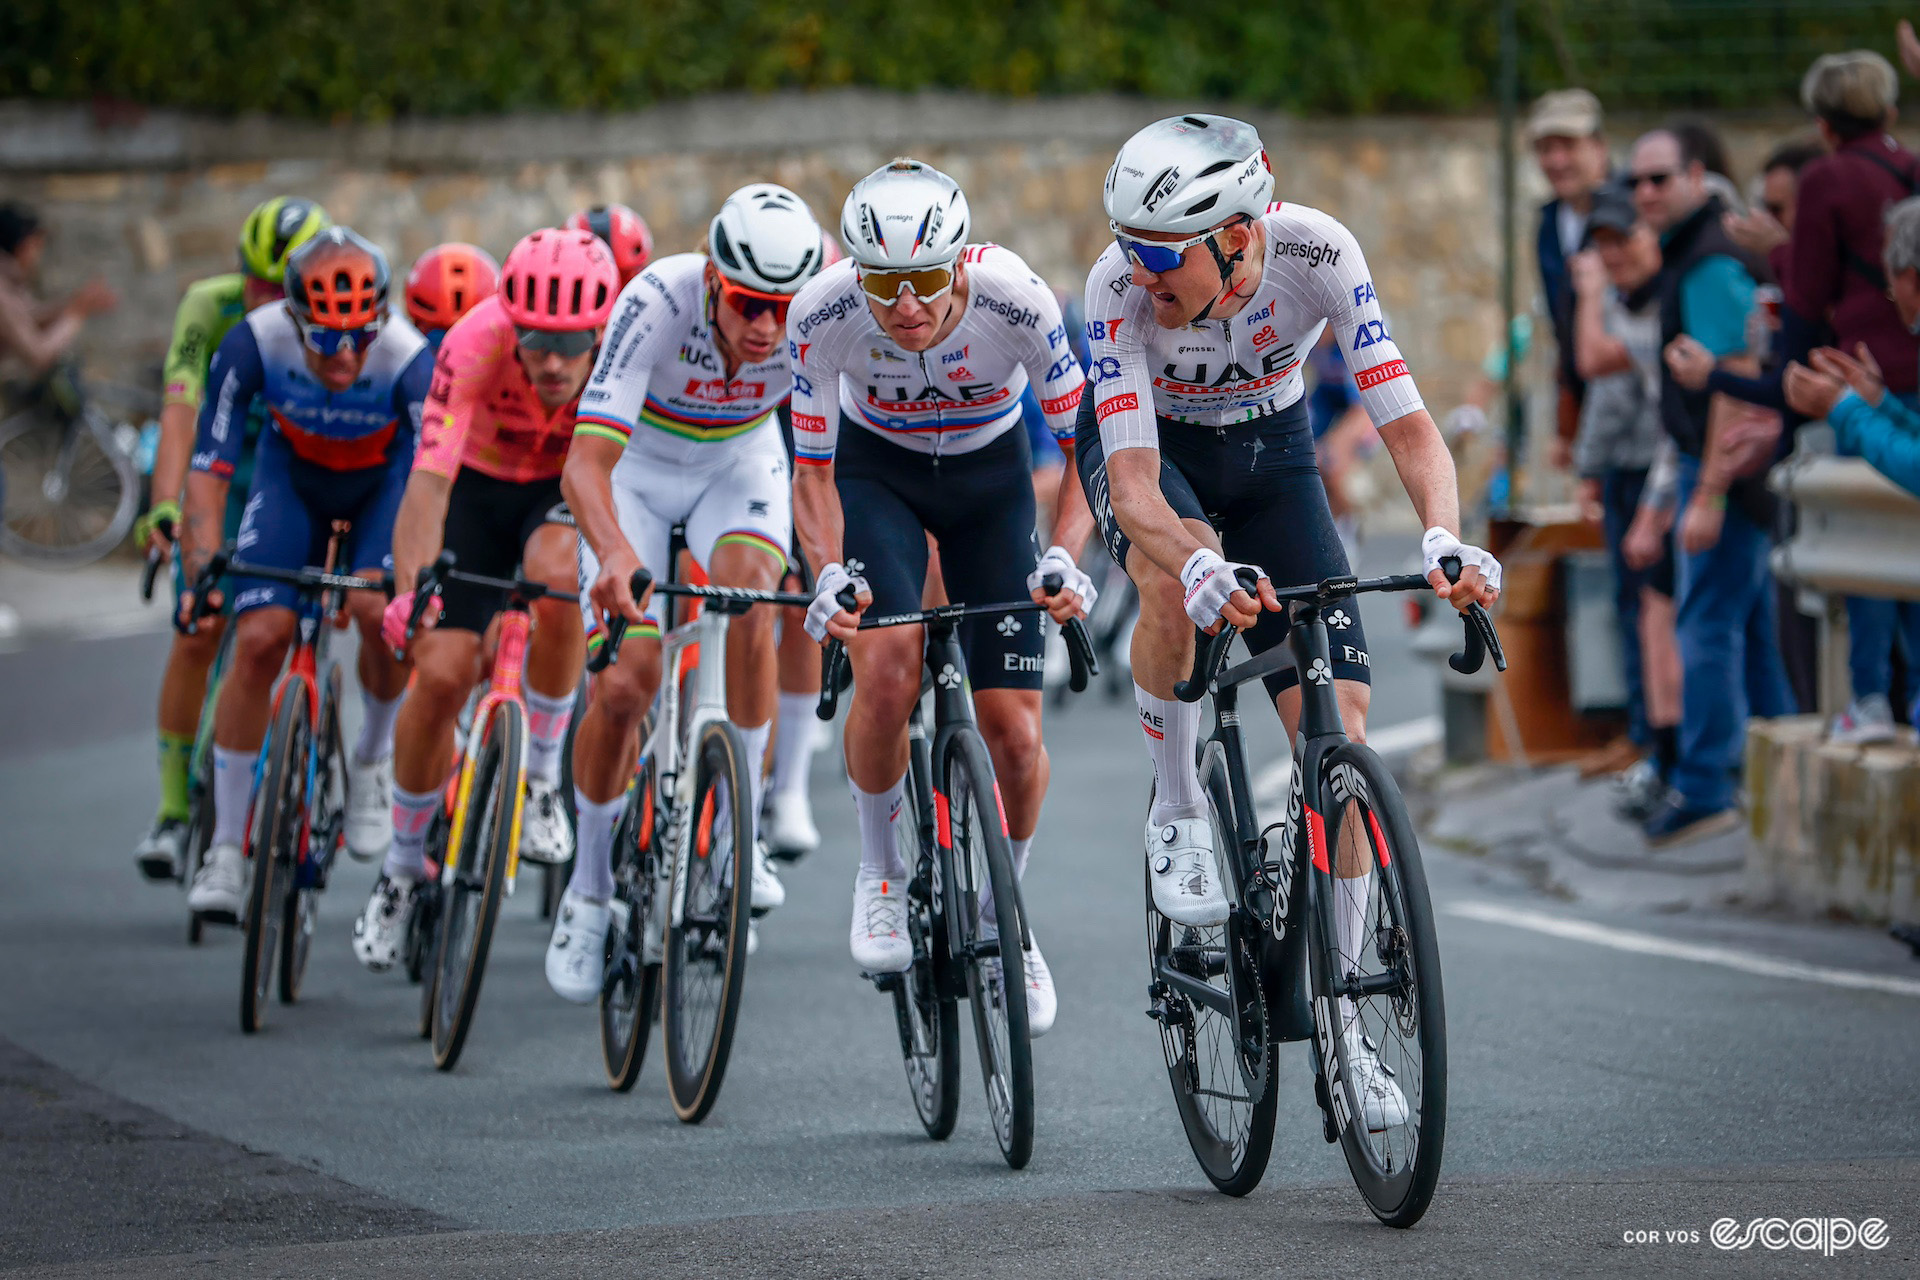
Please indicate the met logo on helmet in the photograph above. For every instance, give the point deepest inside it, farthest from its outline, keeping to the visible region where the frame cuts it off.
(1162, 187)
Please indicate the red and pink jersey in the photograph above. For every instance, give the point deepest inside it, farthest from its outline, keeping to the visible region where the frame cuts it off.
(482, 411)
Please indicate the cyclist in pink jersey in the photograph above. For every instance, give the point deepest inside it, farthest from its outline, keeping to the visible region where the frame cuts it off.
(486, 486)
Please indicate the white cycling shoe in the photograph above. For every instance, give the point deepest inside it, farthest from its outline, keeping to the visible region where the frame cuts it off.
(545, 836)
(789, 825)
(577, 953)
(879, 936)
(768, 892)
(1186, 882)
(369, 808)
(380, 932)
(1382, 1105)
(161, 853)
(221, 884)
(1042, 1004)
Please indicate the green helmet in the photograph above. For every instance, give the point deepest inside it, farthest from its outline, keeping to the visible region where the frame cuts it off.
(275, 229)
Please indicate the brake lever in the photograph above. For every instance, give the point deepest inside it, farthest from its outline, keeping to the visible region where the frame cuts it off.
(836, 673)
(154, 561)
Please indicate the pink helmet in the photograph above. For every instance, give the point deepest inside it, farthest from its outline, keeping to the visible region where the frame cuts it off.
(562, 280)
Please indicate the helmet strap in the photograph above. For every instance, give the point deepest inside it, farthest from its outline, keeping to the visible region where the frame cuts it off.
(1226, 265)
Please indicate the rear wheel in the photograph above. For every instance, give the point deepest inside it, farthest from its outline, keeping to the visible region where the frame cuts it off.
(279, 824)
(996, 970)
(69, 491)
(706, 952)
(630, 994)
(470, 899)
(1379, 1015)
(1216, 1026)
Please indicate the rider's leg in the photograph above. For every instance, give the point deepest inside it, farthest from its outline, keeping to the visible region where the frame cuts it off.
(741, 560)
(557, 651)
(886, 685)
(383, 679)
(183, 693)
(1161, 656)
(446, 663)
(240, 718)
(794, 732)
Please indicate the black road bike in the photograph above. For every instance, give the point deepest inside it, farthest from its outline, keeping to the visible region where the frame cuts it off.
(1284, 966)
(958, 848)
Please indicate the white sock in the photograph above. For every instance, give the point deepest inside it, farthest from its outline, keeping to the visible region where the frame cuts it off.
(547, 721)
(793, 745)
(1173, 730)
(412, 815)
(376, 728)
(593, 847)
(755, 740)
(1350, 900)
(878, 812)
(1021, 848)
(232, 792)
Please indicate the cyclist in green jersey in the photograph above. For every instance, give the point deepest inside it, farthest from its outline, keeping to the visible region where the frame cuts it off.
(210, 308)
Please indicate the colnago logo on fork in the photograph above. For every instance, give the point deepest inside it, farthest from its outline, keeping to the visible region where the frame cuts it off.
(1330, 1063)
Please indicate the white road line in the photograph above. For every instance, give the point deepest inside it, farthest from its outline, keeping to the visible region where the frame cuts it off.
(1652, 945)
(1271, 783)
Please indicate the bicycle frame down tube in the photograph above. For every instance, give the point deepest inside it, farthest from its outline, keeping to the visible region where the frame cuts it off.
(509, 663)
(676, 777)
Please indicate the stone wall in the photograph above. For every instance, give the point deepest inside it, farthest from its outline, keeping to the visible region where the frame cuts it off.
(154, 200)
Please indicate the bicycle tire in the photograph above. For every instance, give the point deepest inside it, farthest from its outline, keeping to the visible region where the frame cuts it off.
(712, 933)
(52, 530)
(926, 1009)
(479, 881)
(278, 820)
(326, 834)
(630, 994)
(1398, 1185)
(1232, 1143)
(977, 841)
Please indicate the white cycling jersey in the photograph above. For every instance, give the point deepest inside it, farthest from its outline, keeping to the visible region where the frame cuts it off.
(1248, 365)
(956, 397)
(660, 386)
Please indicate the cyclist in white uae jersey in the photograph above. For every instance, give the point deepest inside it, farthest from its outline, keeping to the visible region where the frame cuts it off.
(909, 365)
(1194, 442)
(677, 426)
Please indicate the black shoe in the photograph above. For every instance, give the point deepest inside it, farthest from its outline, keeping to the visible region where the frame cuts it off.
(1677, 821)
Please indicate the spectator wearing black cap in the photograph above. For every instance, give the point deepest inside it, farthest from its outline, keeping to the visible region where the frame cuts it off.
(34, 333)
(1564, 130)
(1617, 354)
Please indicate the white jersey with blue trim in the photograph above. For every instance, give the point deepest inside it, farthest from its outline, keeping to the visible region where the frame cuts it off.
(1246, 366)
(956, 397)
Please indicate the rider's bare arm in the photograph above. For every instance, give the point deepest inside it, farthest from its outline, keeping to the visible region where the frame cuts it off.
(420, 527)
(587, 484)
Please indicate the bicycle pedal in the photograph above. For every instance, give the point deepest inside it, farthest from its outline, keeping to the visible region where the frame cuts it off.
(888, 982)
(217, 917)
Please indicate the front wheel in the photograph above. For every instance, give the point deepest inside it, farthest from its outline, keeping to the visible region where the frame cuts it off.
(630, 991)
(926, 1004)
(279, 824)
(706, 950)
(996, 969)
(1380, 1023)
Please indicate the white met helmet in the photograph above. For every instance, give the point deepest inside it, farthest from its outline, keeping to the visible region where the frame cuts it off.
(905, 214)
(1184, 174)
(765, 238)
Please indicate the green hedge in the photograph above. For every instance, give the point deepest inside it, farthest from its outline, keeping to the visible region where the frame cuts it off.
(382, 58)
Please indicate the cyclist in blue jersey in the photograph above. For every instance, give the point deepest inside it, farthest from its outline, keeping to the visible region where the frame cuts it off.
(343, 383)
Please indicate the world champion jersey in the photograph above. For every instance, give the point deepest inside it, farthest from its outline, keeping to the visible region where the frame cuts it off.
(660, 387)
(956, 397)
(1220, 372)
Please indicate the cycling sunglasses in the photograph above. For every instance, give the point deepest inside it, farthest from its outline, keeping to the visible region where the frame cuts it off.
(927, 284)
(1157, 256)
(566, 343)
(323, 341)
(753, 303)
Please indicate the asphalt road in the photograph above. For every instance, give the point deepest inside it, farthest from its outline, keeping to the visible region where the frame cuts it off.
(1597, 1087)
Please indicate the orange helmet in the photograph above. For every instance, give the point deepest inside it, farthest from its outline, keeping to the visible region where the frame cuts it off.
(623, 231)
(446, 282)
(338, 280)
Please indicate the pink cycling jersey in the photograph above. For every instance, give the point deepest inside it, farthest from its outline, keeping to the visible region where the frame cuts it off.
(482, 412)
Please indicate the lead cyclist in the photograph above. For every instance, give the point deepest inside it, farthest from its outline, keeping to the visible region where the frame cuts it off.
(1197, 459)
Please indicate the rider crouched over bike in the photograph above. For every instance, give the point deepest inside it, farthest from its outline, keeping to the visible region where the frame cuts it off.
(343, 382)
(1198, 460)
(677, 427)
(909, 363)
(486, 486)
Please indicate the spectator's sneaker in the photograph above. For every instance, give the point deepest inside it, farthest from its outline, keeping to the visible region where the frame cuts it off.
(1677, 821)
(879, 935)
(577, 953)
(1869, 719)
(380, 932)
(788, 825)
(220, 885)
(1186, 884)
(545, 836)
(162, 852)
(1638, 792)
(1382, 1105)
(370, 808)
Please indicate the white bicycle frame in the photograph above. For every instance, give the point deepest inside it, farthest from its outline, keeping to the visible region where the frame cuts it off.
(669, 745)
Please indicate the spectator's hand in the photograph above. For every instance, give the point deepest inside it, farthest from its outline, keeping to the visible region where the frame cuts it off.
(1589, 273)
(1589, 497)
(94, 297)
(1689, 362)
(1641, 547)
(1700, 526)
(1758, 232)
(1810, 393)
(1560, 454)
(1748, 438)
(1909, 48)
(1861, 373)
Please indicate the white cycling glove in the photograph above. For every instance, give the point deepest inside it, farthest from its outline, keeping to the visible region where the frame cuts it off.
(1071, 579)
(1209, 582)
(1439, 544)
(828, 584)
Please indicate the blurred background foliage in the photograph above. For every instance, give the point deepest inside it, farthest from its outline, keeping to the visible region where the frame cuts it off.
(374, 59)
